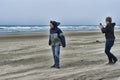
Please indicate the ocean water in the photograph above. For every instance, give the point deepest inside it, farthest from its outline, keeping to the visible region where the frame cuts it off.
(45, 28)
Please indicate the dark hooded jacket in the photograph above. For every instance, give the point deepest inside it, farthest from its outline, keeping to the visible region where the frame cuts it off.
(56, 35)
(109, 31)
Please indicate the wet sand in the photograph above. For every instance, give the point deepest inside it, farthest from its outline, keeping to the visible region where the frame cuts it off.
(28, 57)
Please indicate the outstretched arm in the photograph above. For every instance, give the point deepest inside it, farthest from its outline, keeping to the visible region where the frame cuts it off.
(104, 30)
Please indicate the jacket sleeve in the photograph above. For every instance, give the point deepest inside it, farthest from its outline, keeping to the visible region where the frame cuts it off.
(62, 38)
(49, 40)
(104, 30)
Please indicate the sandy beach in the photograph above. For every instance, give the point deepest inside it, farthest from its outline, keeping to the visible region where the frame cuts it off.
(28, 57)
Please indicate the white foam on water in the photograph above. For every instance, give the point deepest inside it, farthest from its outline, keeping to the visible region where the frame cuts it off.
(12, 29)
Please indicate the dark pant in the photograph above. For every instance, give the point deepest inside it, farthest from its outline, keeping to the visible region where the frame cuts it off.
(56, 53)
(108, 46)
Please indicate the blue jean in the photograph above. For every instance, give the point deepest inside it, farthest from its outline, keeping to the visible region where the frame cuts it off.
(108, 46)
(56, 53)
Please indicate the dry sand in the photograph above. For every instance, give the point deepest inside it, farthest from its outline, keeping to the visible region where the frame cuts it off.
(28, 57)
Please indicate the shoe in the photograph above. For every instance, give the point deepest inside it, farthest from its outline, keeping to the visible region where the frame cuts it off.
(115, 61)
(110, 63)
(53, 66)
(57, 67)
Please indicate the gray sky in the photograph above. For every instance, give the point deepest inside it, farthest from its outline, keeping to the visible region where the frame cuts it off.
(39, 12)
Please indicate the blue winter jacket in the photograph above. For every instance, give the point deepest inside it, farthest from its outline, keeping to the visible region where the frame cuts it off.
(56, 36)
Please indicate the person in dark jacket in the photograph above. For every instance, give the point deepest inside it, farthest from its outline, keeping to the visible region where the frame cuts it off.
(56, 39)
(110, 38)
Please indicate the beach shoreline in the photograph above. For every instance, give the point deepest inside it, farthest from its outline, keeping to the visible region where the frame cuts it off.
(27, 56)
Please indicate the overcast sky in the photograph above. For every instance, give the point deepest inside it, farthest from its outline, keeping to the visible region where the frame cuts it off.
(73, 12)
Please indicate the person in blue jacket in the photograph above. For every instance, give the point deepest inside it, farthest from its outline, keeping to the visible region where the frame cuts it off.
(56, 39)
(110, 38)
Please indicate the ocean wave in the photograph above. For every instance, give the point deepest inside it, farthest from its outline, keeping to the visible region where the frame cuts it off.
(10, 28)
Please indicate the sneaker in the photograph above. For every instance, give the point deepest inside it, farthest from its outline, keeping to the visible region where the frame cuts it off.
(110, 63)
(57, 67)
(115, 61)
(53, 66)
